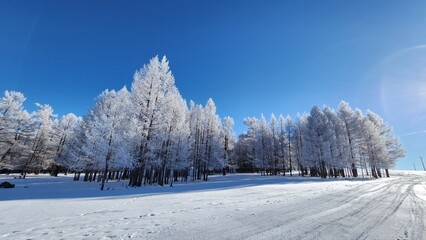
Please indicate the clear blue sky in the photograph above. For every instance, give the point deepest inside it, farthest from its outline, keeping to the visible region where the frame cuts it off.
(251, 57)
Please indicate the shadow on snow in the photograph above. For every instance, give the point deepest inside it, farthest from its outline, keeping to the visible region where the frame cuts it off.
(63, 187)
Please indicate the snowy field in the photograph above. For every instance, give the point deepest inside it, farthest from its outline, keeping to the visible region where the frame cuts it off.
(243, 206)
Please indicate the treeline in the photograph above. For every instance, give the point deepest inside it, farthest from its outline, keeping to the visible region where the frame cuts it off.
(147, 135)
(150, 135)
(325, 142)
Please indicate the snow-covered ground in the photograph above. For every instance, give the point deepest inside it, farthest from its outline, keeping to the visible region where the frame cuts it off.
(242, 206)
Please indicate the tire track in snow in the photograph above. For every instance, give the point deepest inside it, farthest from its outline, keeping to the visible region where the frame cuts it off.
(348, 214)
(340, 224)
(327, 209)
(261, 219)
(359, 214)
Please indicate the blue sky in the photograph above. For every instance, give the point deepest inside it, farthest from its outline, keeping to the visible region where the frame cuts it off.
(251, 57)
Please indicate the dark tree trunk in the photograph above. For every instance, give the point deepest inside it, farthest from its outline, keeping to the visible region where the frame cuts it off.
(55, 170)
(86, 176)
(75, 177)
(379, 172)
(354, 170)
(141, 173)
(104, 176)
(373, 172)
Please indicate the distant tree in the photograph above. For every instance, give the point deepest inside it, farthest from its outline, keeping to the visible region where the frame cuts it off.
(16, 131)
(290, 129)
(243, 153)
(326, 142)
(282, 139)
(275, 145)
(339, 150)
(108, 131)
(299, 143)
(352, 131)
(42, 146)
(173, 150)
(384, 148)
(227, 135)
(212, 148)
(179, 140)
(196, 120)
(64, 132)
(317, 144)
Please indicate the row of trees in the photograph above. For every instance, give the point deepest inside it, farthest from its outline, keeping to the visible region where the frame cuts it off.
(150, 135)
(325, 142)
(147, 134)
(30, 142)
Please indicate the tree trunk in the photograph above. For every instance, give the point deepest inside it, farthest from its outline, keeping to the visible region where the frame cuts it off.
(55, 170)
(86, 176)
(94, 176)
(379, 172)
(354, 170)
(104, 176)
(171, 177)
(373, 172)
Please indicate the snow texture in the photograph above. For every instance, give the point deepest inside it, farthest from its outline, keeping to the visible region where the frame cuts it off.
(240, 206)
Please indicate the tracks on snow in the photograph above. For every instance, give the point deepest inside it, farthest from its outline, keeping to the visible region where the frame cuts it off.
(382, 209)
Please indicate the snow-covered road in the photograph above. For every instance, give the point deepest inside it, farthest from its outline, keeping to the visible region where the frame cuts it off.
(231, 207)
(377, 210)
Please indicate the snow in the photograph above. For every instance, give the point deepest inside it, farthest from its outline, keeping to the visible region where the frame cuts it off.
(420, 190)
(240, 206)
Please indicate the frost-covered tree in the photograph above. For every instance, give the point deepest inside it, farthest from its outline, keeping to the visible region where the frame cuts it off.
(179, 146)
(289, 142)
(317, 142)
(207, 142)
(227, 135)
(212, 148)
(147, 136)
(261, 144)
(352, 131)
(282, 138)
(243, 154)
(375, 146)
(108, 131)
(383, 147)
(324, 143)
(173, 150)
(150, 89)
(16, 130)
(42, 145)
(64, 132)
(300, 126)
(339, 148)
(275, 147)
(196, 120)
(249, 148)
(78, 151)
